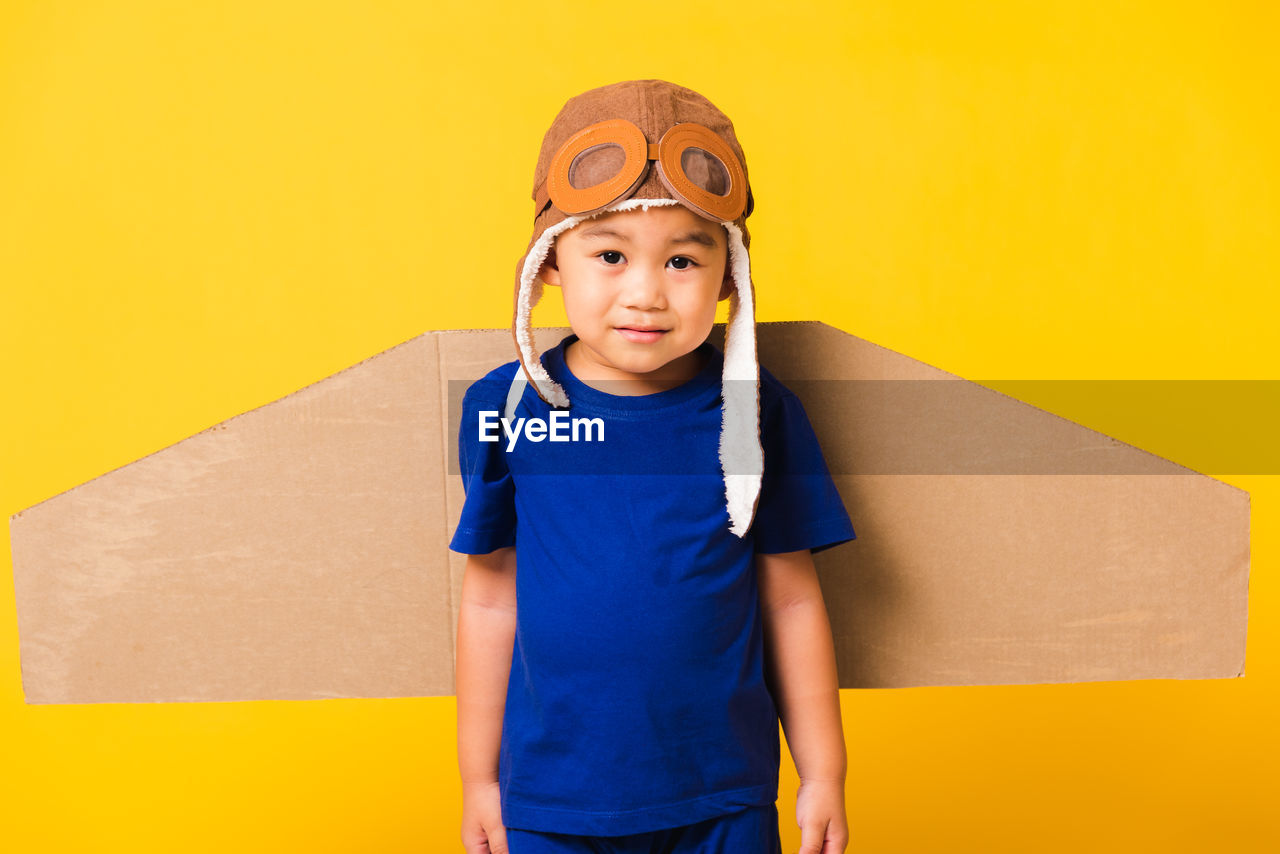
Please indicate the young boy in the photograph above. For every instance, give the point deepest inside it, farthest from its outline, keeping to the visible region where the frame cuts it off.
(640, 605)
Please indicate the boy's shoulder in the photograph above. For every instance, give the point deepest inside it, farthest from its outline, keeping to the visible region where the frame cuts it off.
(493, 386)
(773, 393)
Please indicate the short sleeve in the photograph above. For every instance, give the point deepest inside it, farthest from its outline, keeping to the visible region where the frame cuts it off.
(488, 520)
(799, 507)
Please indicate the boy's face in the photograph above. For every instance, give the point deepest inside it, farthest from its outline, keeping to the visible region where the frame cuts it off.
(640, 289)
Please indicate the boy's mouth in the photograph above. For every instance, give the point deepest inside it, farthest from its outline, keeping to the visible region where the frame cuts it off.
(640, 334)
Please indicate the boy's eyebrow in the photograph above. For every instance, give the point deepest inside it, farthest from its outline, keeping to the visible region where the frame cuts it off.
(697, 235)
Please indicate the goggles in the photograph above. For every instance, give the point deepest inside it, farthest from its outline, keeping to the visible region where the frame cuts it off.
(608, 161)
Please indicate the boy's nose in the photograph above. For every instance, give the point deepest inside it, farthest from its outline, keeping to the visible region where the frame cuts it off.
(643, 290)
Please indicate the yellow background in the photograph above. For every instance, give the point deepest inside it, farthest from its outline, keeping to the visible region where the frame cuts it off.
(205, 206)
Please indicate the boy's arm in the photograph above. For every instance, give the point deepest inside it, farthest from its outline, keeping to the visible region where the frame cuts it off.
(801, 673)
(486, 633)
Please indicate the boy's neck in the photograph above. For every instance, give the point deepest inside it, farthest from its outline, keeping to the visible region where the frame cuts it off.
(618, 382)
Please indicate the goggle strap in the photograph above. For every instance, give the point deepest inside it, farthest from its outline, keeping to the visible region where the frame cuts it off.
(541, 200)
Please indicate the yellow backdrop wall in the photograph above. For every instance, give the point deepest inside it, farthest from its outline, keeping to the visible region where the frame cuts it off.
(205, 206)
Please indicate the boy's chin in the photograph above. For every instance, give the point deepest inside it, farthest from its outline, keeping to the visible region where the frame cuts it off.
(654, 365)
(639, 366)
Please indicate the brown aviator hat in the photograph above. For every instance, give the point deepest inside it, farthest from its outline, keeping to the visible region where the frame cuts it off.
(637, 144)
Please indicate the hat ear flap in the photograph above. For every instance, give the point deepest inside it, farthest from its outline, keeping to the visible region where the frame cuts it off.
(528, 294)
(741, 453)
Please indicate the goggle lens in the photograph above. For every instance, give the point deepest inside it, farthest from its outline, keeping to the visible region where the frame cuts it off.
(705, 170)
(596, 165)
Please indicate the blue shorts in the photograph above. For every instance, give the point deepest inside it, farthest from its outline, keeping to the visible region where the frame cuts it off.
(753, 830)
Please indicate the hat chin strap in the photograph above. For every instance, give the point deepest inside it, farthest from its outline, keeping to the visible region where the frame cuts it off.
(741, 455)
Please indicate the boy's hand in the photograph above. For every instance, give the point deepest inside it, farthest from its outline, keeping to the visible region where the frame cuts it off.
(482, 830)
(820, 815)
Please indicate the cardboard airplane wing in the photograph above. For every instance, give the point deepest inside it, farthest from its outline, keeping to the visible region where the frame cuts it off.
(299, 550)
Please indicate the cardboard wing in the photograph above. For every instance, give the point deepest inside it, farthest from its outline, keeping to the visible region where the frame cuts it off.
(299, 550)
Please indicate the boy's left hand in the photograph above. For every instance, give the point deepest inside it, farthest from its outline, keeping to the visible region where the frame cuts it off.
(820, 815)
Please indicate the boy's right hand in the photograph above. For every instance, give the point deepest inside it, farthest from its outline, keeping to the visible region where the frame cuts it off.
(482, 830)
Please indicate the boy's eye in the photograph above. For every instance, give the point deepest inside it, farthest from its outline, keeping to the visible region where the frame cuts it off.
(613, 258)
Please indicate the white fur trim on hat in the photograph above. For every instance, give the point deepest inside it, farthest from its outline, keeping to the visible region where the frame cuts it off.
(741, 456)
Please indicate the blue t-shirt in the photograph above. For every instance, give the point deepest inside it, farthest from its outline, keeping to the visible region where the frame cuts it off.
(637, 699)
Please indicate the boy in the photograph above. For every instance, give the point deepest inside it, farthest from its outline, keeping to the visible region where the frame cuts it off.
(668, 609)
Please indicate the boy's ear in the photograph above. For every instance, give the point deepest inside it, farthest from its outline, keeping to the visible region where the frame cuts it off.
(549, 273)
(727, 286)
